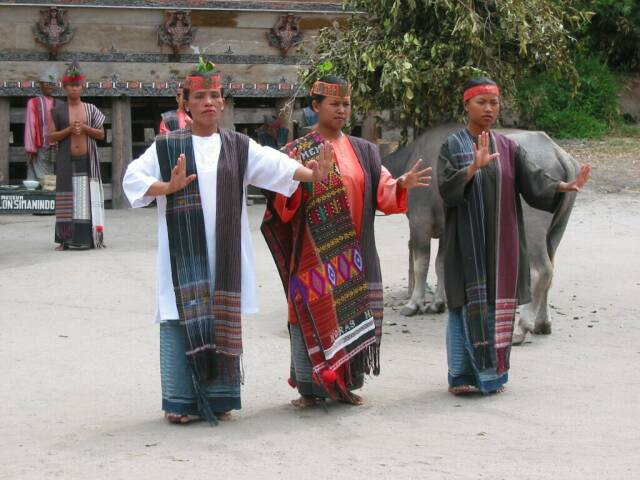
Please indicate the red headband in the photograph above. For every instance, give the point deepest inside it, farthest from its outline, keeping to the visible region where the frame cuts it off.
(73, 79)
(480, 90)
(207, 82)
(331, 89)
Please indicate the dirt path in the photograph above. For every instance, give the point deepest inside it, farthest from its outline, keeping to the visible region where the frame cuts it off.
(615, 160)
(81, 389)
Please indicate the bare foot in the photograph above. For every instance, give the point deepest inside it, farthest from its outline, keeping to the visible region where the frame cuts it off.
(61, 247)
(177, 418)
(304, 402)
(502, 389)
(354, 399)
(463, 390)
(223, 416)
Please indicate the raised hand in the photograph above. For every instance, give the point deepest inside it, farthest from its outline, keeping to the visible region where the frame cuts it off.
(322, 166)
(577, 183)
(415, 177)
(481, 156)
(296, 154)
(179, 178)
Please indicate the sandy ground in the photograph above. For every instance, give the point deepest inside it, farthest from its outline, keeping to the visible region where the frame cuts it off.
(80, 380)
(615, 161)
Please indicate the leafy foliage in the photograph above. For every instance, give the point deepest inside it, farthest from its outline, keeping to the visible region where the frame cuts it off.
(550, 104)
(613, 32)
(415, 55)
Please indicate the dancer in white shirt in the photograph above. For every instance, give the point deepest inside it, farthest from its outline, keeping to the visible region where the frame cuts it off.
(205, 263)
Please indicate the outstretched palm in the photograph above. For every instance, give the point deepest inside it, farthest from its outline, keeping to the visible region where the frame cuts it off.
(322, 166)
(415, 177)
(179, 178)
(481, 156)
(577, 183)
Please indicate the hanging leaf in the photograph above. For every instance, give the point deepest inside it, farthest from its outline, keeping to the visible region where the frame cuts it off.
(405, 55)
(205, 66)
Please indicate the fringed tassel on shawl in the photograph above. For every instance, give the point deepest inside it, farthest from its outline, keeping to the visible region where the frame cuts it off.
(371, 360)
(203, 403)
(204, 365)
(482, 354)
(502, 359)
(477, 332)
(337, 384)
(201, 353)
(98, 237)
(97, 210)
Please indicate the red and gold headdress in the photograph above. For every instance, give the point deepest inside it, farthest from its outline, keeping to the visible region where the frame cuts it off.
(203, 78)
(483, 89)
(73, 74)
(336, 90)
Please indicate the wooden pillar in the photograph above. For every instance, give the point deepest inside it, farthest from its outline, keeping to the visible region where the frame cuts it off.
(227, 120)
(5, 121)
(121, 148)
(369, 130)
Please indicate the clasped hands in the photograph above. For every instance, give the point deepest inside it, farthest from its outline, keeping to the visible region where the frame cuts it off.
(77, 128)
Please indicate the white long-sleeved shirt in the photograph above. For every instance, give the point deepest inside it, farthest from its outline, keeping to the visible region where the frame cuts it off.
(266, 168)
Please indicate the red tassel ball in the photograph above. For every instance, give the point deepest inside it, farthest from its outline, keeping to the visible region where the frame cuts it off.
(328, 376)
(99, 228)
(291, 383)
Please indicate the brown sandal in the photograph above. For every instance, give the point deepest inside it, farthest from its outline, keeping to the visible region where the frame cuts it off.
(463, 390)
(177, 418)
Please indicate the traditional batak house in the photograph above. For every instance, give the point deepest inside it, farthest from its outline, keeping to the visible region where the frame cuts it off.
(134, 53)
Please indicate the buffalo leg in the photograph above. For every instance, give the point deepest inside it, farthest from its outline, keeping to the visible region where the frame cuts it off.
(439, 298)
(534, 316)
(421, 252)
(540, 294)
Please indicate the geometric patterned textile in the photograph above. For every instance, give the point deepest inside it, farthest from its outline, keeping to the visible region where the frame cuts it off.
(328, 289)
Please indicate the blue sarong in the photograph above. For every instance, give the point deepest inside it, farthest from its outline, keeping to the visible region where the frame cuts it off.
(178, 392)
(463, 368)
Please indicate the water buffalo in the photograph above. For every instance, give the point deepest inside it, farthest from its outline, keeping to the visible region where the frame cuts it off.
(426, 221)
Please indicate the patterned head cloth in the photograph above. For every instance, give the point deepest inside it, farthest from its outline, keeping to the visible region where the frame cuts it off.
(480, 86)
(204, 77)
(336, 90)
(73, 74)
(50, 75)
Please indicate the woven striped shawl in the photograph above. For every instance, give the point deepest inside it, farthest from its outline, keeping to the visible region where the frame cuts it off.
(64, 190)
(171, 120)
(37, 123)
(209, 310)
(471, 227)
(332, 278)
